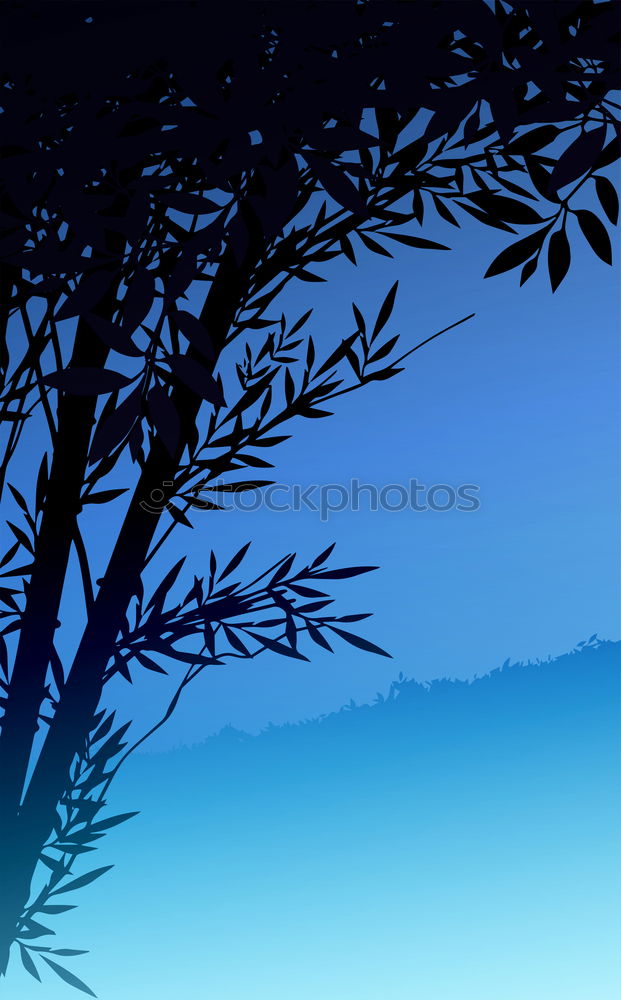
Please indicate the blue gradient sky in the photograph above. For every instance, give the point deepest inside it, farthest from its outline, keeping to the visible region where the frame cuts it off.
(460, 844)
(523, 401)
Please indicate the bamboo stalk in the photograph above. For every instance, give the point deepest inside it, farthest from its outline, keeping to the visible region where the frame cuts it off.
(82, 691)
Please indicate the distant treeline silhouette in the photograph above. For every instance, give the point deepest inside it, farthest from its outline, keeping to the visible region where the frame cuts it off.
(511, 697)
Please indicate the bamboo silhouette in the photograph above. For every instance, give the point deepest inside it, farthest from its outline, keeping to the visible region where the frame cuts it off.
(96, 174)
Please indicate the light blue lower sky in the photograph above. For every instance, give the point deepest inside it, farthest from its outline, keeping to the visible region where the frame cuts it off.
(456, 844)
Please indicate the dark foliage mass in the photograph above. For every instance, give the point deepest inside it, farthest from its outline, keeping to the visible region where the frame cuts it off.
(164, 174)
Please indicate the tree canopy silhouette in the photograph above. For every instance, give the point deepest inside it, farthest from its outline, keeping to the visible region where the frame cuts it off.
(165, 174)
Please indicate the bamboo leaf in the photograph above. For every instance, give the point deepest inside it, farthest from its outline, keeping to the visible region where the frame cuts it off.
(608, 197)
(21, 536)
(300, 322)
(342, 574)
(385, 311)
(138, 300)
(8, 555)
(336, 183)
(68, 952)
(195, 332)
(178, 516)
(54, 908)
(317, 637)
(82, 880)
(504, 208)
(234, 563)
(160, 592)
(115, 337)
(89, 291)
(337, 354)
(372, 244)
(148, 663)
(113, 429)
(595, 234)
(107, 824)
(416, 241)
(189, 204)
(19, 499)
(384, 350)
(579, 157)
(235, 640)
(535, 139)
(28, 963)
(34, 930)
(528, 270)
(321, 558)
(197, 378)
(559, 258)
(356, 640)
(68, 977)
(278, 647)
(86, 381)
(515, 254)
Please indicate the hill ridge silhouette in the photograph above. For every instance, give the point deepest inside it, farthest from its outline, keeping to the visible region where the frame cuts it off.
(561, 677)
